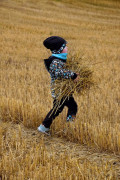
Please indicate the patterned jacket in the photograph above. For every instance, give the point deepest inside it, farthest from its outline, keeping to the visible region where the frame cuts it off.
(56, 68)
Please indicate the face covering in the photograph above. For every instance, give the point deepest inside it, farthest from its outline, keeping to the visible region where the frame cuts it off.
(62, 56)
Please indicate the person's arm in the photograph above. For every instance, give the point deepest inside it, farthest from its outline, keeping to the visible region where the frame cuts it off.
(57, 70)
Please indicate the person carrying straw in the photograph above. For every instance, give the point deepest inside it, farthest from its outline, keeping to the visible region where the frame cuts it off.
(55, 65)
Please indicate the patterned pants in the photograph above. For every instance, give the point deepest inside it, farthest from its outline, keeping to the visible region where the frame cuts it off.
(54, 112)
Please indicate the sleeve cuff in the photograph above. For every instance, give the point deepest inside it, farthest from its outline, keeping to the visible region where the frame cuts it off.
(74, 76)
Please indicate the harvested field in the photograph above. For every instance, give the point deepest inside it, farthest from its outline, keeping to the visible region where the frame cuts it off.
(90, 147)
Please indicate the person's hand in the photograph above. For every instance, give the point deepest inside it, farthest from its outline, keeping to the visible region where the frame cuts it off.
(77, 78)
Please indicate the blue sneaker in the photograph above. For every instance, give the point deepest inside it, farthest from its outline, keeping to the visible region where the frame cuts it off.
(43, 129)
(70, 118)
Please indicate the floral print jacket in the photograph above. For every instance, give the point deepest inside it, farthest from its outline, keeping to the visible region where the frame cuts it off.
(56, 68)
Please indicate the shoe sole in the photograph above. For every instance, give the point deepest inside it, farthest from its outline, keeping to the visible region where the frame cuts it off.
(48, 134)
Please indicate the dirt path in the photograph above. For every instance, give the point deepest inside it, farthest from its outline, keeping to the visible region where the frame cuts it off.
(61, 145)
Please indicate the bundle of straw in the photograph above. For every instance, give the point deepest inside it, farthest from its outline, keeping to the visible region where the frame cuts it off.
(63, 88)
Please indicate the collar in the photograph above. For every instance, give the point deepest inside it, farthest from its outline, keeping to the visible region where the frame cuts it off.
(62, 56)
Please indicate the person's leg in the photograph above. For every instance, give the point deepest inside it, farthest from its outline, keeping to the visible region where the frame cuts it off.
(53, 113)
(72, 108)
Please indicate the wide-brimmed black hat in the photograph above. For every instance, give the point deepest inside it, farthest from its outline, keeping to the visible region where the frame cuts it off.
(55, 43)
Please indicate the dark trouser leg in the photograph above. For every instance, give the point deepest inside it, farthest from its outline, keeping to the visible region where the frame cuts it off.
(72, 108)
(53, 113)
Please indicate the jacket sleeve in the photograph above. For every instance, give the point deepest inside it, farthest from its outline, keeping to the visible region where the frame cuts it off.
(57, 70)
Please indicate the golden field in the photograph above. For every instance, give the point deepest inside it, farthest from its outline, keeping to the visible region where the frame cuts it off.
(90, 148)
